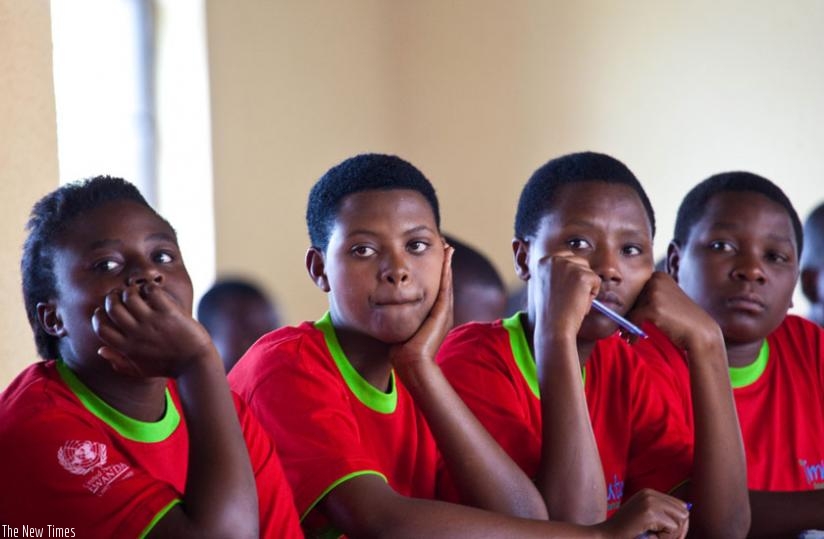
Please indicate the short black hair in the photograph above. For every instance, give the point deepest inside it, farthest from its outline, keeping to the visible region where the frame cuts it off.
(814, 234)
(538, 195)
(471, 266)
(50, 216)
(365, 172)
(695, 203)
(208, 309)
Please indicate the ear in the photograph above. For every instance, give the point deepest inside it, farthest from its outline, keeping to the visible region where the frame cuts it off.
(673, 259)
(520, 253)
(316, 266)
(809, 285)
(49, 320)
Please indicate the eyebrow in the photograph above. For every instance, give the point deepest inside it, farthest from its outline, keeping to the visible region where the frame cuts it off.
(408, 232)
(157, 236)
(624, 227)
(724, 226)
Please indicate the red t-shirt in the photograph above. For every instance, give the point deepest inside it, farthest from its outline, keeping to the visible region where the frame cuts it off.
(69, 460)
(329, 423)
(780, 403)
(642, 439)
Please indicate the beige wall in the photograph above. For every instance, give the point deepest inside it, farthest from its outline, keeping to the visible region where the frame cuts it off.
(28, 159)
(478, 93)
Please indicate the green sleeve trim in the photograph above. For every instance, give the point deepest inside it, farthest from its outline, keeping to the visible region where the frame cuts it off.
(521, 352)
(127, 427)
(334, 485)
(158, 516)
(744, 376)
(369, 395)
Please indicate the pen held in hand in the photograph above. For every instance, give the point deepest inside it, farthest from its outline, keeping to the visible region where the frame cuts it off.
(618, 319)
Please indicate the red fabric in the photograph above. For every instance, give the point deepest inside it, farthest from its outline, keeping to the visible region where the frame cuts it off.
(323, 431)
(52, 450)
(782, 412)
(642, 439)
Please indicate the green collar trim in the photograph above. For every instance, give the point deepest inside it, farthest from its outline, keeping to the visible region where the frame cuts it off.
(521, 352)
(127, 427)
(369, 395)
(744, 376)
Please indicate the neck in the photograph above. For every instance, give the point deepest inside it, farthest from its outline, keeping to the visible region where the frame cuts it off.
(143, 399)
(743, 354)
(368, 356)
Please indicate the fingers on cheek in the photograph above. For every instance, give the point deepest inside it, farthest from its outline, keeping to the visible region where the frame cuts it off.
(104, 328)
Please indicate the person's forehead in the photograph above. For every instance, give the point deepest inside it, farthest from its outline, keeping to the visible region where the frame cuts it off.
(741, 207)
(747, 211)
(110, 226)
(593, 200)
(364, 206)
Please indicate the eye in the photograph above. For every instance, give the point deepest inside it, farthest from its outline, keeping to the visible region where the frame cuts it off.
(164, 257)
(417, 246)
(107, 265)
(774, 256)
(631, 250)
(720, 245)
(578, 243)
(362, 251)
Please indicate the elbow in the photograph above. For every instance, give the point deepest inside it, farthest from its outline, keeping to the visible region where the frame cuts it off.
(735, 526)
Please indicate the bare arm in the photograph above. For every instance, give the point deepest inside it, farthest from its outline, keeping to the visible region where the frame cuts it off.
(148, 334)
(484, 474)
(366, 506)
(718, 486)
(570, 476)
(779, 514)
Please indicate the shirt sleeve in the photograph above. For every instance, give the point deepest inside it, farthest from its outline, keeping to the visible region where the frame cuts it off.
(70, 473)
(304, 406)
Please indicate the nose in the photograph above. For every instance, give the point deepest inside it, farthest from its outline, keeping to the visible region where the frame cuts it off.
(604, 262)
(143, 273)
(394, 268)
(748, 267)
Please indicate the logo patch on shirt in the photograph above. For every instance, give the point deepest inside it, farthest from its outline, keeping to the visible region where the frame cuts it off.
(813, 472)
(84, 457)
(615, 492)
(80, 458)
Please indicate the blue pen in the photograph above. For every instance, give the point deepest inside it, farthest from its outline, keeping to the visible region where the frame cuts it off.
(618, 319)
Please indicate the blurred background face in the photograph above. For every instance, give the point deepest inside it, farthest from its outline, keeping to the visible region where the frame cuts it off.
(478, 302)
(606, 225)
(740, 264)
(241, 321)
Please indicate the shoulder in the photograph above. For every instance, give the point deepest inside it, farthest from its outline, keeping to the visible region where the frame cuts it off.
(291, 348)
(797, 334)
(794, 326)
(35, 393)
(473, 336)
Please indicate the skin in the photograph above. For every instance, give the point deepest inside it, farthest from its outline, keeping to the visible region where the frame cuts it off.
(740, 264)
(122, 314)
(387, 273)
(597, 242)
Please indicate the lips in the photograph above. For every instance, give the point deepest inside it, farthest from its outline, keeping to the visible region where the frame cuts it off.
(611, 300)
(746, 302)
(395, 302)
